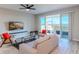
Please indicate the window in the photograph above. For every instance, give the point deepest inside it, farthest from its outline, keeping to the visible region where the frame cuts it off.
(64, 25)
(65, 21)
(53, 23)
(43, 23)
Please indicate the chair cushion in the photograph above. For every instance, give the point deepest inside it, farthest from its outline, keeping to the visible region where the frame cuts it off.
(6, 35)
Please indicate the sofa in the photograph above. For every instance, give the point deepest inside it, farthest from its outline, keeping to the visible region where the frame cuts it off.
(43, 45)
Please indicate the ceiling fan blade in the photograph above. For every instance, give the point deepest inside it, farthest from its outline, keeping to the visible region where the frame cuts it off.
(33, 8)
(27, 5)
(22, 8)
(23, 5)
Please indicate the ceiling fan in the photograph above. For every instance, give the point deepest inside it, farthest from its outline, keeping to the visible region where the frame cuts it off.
(27, 7)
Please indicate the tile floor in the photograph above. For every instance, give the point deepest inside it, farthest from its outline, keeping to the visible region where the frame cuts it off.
(67, 47)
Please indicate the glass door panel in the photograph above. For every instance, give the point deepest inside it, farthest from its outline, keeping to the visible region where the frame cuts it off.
(56, 24)
(49, 25)
(43, 23)
(64, 25)
(53, 24)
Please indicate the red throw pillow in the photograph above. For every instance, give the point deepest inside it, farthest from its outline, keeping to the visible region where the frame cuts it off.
(6, 35)
(43, 31)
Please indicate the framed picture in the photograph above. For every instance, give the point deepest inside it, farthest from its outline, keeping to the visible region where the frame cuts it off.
(15, 25)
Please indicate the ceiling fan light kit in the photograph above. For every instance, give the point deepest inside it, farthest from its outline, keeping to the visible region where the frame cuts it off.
(27, 7)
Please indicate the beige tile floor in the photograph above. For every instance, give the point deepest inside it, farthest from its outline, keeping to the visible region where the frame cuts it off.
(67, 47)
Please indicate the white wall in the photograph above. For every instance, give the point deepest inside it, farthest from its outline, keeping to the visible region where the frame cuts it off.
(11, 15)
(74, 20)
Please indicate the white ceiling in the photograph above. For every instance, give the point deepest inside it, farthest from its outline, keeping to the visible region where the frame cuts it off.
(40, 8)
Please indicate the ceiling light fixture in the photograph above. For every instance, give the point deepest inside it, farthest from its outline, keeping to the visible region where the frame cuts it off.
(27, 9)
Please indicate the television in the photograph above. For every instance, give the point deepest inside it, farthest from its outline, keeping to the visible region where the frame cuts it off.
(15, 25)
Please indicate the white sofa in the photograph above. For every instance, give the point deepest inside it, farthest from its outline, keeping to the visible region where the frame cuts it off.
(43, 45)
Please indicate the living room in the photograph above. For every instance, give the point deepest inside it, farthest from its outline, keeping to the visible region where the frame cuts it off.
(23, 23)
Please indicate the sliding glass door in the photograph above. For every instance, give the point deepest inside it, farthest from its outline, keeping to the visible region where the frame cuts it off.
(64, 25)
(58, 24)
